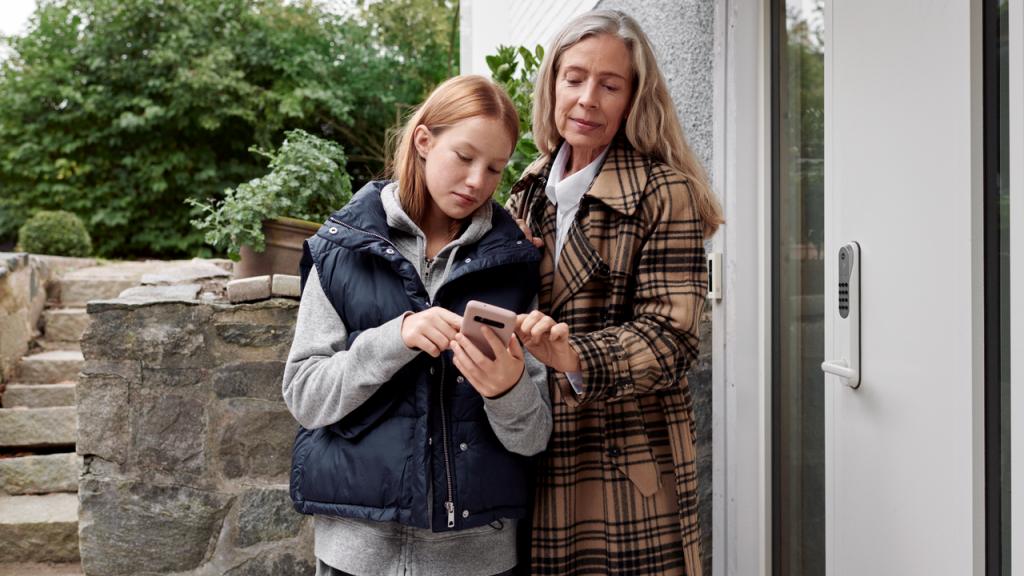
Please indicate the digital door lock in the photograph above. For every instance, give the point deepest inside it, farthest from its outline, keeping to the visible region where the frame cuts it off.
(847, 318)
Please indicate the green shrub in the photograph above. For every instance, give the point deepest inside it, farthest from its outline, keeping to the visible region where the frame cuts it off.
(55, 232)
(504, 66)
(307, 180)
(120, 110)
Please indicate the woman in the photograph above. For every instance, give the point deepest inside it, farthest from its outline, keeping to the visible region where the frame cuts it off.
(413, 451)
(622, 206)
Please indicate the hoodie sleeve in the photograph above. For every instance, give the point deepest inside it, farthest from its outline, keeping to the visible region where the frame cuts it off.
(324, 381)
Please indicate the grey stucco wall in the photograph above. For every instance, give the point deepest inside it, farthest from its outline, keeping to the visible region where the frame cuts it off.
(683, 35)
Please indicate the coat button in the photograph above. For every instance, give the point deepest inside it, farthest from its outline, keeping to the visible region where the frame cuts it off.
(465, 513)
(614, 452)
(460, 379)
(463, 446)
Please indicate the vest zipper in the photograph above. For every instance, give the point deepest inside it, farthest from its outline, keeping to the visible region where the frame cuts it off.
(449, 503)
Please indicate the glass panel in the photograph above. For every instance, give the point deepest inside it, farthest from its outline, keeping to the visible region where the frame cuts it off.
(1003, 184)
(798, 289)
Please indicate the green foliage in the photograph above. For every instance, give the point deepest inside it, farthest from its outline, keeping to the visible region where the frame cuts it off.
(307, 180)
(121, 110)
(518, 82)
(56, 232)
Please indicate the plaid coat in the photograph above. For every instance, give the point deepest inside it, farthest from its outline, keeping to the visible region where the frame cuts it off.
(617, 488)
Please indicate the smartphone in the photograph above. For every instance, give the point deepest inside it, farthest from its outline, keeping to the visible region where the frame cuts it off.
(498, 319)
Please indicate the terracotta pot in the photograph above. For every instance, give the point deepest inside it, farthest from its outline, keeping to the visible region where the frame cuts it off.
(283, 252)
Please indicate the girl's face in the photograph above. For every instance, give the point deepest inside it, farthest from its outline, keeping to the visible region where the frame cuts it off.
(463, 163)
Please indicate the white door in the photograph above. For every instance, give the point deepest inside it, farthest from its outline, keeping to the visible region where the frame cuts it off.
(904, 452)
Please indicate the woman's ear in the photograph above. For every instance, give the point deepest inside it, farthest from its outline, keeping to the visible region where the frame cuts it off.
(423, 140)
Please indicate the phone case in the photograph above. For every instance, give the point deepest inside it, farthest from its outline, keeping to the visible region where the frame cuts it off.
(498, 319)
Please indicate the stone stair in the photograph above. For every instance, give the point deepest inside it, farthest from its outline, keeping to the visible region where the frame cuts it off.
(38, 426)
(39, 468)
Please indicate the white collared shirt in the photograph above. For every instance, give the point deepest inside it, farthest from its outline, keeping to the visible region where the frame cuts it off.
(566, 193)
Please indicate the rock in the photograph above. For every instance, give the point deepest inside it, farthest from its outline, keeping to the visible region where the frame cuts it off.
(103, 398)
(50, 367)
(39, 395)
(129, 528)
(39, 474)
(149, 294)
(249, 380)
(249, 289)
(168, 432)
(39, 528)
(286, 286)
(66, 324)
(190, 272)
(279, 564)
(37, 427)
(255, 440)
(267, 515)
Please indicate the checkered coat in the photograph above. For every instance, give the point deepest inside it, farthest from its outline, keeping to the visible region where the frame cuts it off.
(617, 488)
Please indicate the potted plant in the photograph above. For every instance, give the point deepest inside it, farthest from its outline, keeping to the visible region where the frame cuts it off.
(263, 222)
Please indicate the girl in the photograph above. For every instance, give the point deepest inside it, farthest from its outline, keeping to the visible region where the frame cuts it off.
(413, 451)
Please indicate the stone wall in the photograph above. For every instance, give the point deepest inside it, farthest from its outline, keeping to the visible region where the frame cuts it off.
(186, 442)
(22, 296)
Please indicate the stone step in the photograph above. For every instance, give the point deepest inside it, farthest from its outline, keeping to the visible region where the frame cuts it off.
(79, 291)
(50, 367)
(38, 395)
(43, 474)
(38, 427)
(39, 528)
(44, 345)
(36, 569)
(65, 324)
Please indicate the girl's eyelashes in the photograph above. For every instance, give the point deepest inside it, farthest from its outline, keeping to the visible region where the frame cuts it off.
(463, 157)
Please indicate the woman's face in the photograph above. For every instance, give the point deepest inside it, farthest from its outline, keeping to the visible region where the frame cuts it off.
(593, 88)
(463, 163)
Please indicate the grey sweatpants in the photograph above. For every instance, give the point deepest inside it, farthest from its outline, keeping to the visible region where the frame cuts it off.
(325, 570)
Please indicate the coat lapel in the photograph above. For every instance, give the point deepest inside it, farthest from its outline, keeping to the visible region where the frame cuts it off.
(618, 186)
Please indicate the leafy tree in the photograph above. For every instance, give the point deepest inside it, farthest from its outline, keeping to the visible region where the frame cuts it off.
(120, 110)
(518, 82)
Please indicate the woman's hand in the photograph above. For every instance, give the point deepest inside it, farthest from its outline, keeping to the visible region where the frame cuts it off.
(490, 378)
(536, 241)
(548, 341)
(430, 330)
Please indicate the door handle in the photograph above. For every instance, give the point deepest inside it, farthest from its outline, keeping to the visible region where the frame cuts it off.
(846, 316)
(841, 369)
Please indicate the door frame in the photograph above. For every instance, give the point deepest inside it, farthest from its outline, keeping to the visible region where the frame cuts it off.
(741, 328)
(1016, 124)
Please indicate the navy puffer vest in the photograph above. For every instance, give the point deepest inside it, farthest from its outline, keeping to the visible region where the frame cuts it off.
(424, 433)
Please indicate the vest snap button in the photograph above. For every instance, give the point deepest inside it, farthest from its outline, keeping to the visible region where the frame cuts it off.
(468, 260)
(465, 513)
(463, 446)
(460, 379)
(332, 230)
(519, 241)
(390, 251)
(431, 370)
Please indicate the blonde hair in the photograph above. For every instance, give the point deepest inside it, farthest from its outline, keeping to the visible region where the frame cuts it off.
(651, 126)
(456, 99)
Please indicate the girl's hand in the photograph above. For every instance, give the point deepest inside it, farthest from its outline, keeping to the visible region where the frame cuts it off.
(430, 330)
(548, 341)
(537, 242)
(490, 378)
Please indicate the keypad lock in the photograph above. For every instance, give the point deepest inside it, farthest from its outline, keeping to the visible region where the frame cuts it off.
(846, 334)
